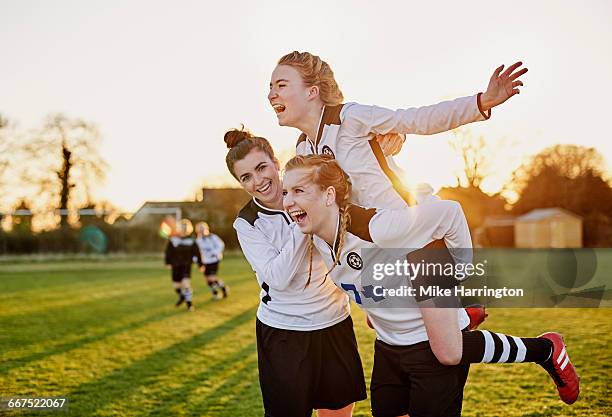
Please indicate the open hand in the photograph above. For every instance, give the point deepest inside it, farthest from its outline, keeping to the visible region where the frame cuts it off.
(502, 86)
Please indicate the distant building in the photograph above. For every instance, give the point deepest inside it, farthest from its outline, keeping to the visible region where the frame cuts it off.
(548, 228)
(221, 203)
(236, 195)
(217, 206)
(495, 232)
(540, 228)
(159, 209)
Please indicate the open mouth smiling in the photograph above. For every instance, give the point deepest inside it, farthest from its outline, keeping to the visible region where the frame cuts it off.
(278, 108)
(265, 187)
(298, 215)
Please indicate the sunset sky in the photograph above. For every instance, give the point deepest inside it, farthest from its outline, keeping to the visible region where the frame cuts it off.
(164, 80)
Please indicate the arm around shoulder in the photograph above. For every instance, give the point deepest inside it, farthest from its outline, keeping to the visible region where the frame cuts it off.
(277, 267)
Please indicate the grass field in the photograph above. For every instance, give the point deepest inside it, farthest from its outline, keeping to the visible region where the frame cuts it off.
(106, 335)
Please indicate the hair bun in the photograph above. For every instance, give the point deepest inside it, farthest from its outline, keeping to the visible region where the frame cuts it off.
(235, 136)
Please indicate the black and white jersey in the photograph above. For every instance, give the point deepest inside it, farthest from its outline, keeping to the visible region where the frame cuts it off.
(182, 251)
(211, 248)
(278, 253)
(410, 228)
(346, 133)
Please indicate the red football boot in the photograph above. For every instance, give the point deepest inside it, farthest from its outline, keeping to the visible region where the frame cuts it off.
(477, 313)
(561, 369)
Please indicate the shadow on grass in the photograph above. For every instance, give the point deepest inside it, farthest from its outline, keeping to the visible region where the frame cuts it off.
(89, 315)
(65, 347)
(178, 398)
(57, 323)
(58, 280)
(117, 295)
(90, 396)
(230, 396)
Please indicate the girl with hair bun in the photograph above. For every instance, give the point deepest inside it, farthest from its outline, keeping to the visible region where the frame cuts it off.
(306, 347)
(421, 356)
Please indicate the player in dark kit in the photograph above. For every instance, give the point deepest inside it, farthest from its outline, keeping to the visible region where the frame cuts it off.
(181, 251)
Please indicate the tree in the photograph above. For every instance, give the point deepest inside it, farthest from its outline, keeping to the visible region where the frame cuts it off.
(570, 161)
(6, 148)
(476, 157)
(567, 176)
(12, 159)
(570, 177)
(65, 162)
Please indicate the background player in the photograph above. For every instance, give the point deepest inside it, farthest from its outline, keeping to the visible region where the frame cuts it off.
(211, 251)
(181, 251)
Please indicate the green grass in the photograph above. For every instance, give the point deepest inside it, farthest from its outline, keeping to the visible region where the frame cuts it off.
(107, 336)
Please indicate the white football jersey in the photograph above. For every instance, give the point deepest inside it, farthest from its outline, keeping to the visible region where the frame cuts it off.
(278, 253)
(346, 133)
(211, 248)
(412, 227)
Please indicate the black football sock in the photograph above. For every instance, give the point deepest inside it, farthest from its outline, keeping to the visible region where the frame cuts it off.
(489, 347)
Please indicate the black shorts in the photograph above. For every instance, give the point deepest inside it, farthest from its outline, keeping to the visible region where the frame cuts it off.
(211, 269)
(304, 370)
(411, 380)
(180, 271)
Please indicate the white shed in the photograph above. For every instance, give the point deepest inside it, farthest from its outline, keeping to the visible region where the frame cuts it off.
(548, 228)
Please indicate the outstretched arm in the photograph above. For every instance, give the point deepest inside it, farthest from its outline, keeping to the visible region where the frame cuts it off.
(436, 118)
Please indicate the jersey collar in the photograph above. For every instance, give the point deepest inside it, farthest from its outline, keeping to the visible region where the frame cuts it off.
(330, 115)
(267, 210)
(315, 144)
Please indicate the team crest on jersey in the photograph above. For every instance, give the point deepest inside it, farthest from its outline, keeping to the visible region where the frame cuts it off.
(327, 151)
(354, 261)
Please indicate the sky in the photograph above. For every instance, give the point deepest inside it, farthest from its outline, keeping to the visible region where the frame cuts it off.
(164, 80)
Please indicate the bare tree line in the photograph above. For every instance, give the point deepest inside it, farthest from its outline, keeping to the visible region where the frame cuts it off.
(56, 166)
(572, 177)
